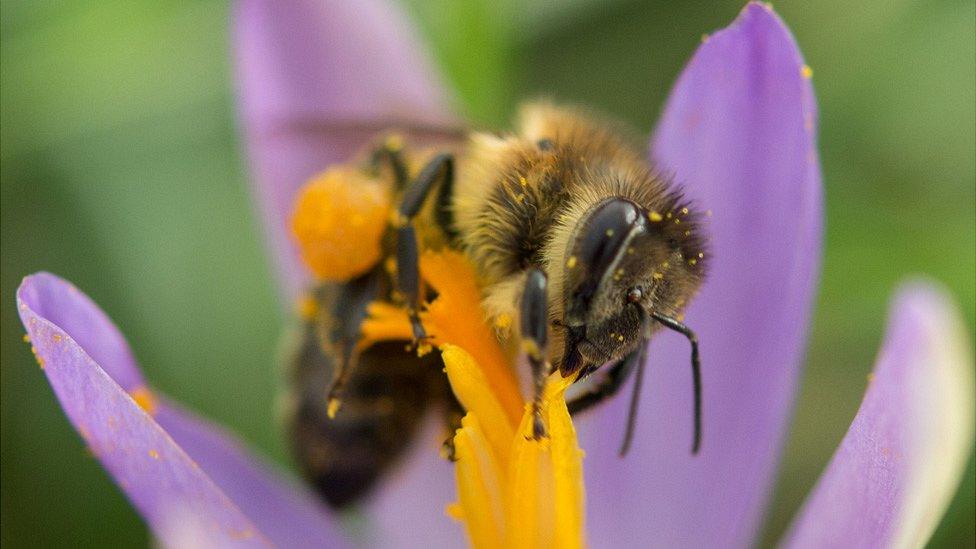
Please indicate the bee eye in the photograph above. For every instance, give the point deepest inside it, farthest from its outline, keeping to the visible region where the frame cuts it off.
(634, 295)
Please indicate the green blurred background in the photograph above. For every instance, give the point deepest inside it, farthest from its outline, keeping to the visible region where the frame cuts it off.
(121, 170)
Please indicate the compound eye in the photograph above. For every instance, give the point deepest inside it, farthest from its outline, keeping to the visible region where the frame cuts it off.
(634, 295)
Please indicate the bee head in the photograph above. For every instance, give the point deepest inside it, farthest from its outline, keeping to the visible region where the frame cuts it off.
(623, 264)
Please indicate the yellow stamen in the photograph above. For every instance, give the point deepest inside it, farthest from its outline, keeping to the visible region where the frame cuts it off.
(515, 491)
(469, 382)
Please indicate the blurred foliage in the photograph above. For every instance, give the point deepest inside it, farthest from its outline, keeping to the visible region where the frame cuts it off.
(120, 170)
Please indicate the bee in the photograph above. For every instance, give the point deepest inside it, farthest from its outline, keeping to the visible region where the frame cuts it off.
(577, 243)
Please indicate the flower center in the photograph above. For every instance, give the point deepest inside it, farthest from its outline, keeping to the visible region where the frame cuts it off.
(513, 491)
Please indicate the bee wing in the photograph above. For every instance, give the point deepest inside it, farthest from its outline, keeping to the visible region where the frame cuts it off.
(364, 131)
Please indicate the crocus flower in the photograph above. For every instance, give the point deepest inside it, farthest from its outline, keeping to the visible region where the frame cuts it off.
(740, 131)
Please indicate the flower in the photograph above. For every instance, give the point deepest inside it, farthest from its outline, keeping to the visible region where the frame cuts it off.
(739, 130)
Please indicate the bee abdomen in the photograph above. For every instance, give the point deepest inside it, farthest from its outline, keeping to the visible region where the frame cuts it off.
(385, 399)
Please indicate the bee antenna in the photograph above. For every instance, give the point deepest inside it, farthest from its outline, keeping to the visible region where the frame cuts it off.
(674, 324)
(638, 382)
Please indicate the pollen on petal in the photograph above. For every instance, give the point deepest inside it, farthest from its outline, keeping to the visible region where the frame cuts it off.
(339, 219)
(144, 398)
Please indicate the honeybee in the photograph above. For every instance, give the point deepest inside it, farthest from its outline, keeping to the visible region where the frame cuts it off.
(576, 241)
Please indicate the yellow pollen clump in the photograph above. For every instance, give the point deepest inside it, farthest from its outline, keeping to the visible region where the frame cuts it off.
(684, 211)
(333, 407)
(655, 217)
(307, 308)
(503, 321)
(424, 348)
(455, 511)
(144, 398)
(394, 143)
(522, 181)
(571, 262)
(658, 276)
(339, 219)
(693, 261)
(806, 72)
(26, 338)
(154, 454)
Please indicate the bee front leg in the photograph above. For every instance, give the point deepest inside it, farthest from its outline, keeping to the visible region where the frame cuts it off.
(617, 374)
(534, 323)
(440, 170)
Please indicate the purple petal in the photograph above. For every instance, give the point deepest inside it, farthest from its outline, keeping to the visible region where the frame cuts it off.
(900, 463)
(192, 483)
(739, 133)
(411, 513)
(316, 81)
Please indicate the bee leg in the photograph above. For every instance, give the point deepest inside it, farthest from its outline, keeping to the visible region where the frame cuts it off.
(389, 151)
(350, 311)
(617, 374)
(438, 170)
(635, 361)
(534, 323)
